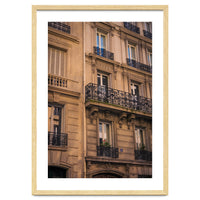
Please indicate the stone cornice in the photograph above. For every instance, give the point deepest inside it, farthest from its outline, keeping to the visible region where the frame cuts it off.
(116, 108)
(118, 161)
(64, 91)
(63, 35)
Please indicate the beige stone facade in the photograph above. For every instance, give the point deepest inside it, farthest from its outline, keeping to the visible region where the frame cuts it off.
(100, 99)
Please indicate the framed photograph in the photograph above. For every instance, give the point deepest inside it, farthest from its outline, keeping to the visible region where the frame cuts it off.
(100, 100)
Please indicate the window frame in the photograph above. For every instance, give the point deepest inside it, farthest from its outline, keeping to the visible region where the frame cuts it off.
(140, 89)
(148, 27)
(149, 57)
(130, 57)
(143, 143)
(100, 74)
(110, 141)
(56, 117)
(99, 42)
(62, 64)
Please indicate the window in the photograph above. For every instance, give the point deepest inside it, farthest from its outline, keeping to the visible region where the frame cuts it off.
(149, 57)
(55, 137)
(131, 52)
(134, 95)
(148, 30)
(105, 145)
(105, 134)
(148, 26)
(56, 61)
(102, 84)
(140, 138)
(101, 44)
(134, 89)
(101, 40)
(54, 117)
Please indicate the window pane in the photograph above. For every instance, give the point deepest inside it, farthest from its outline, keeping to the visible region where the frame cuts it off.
(136, 90)
(100, 130)
(108, 133)
(105, 134)
(150, 59)
(98, 79)
(129, 52)
(97, 39)
(49, 118)
(133, 52)
(137, 138)
(141, 137)
(105, 80)
(103, 42)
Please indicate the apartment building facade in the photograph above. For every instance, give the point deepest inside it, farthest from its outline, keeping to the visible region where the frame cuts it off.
(100, 99)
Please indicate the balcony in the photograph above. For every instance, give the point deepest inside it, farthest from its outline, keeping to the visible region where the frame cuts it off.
(60, 26)
(147, 34)
(107, 151)
(132, 27)
(140, 66)
(57, 139)
(57, 81)
(93, 92)
(104, 53)
(143, 155)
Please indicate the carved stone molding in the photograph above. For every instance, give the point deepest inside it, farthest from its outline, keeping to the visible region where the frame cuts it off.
(89, 164)
(130, 120)
(104, 66)
(108, 115)
(122, 118)
(93, 113)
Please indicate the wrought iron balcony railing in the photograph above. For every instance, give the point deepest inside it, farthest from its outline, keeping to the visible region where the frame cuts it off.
(104, 53)
(107, 151)
(117, 97)
(60, 26)
(58, 81)
(132, 27)
(143, 155)
(147, 34)
(57, 139)
(138, 65)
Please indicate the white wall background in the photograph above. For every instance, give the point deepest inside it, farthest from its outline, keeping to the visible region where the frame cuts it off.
(15, 98)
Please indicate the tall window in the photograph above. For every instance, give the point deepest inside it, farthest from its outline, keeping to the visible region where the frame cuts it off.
(101, 40)
(101, 44)
(105, 134)
(131, 52)
(56, 61)
(148, 27)
(140, 138)
(134, 90)
(149, 57)
(102, 84)
(54, 125)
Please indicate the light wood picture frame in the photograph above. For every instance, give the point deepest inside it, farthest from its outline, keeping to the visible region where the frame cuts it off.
(114, 8)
